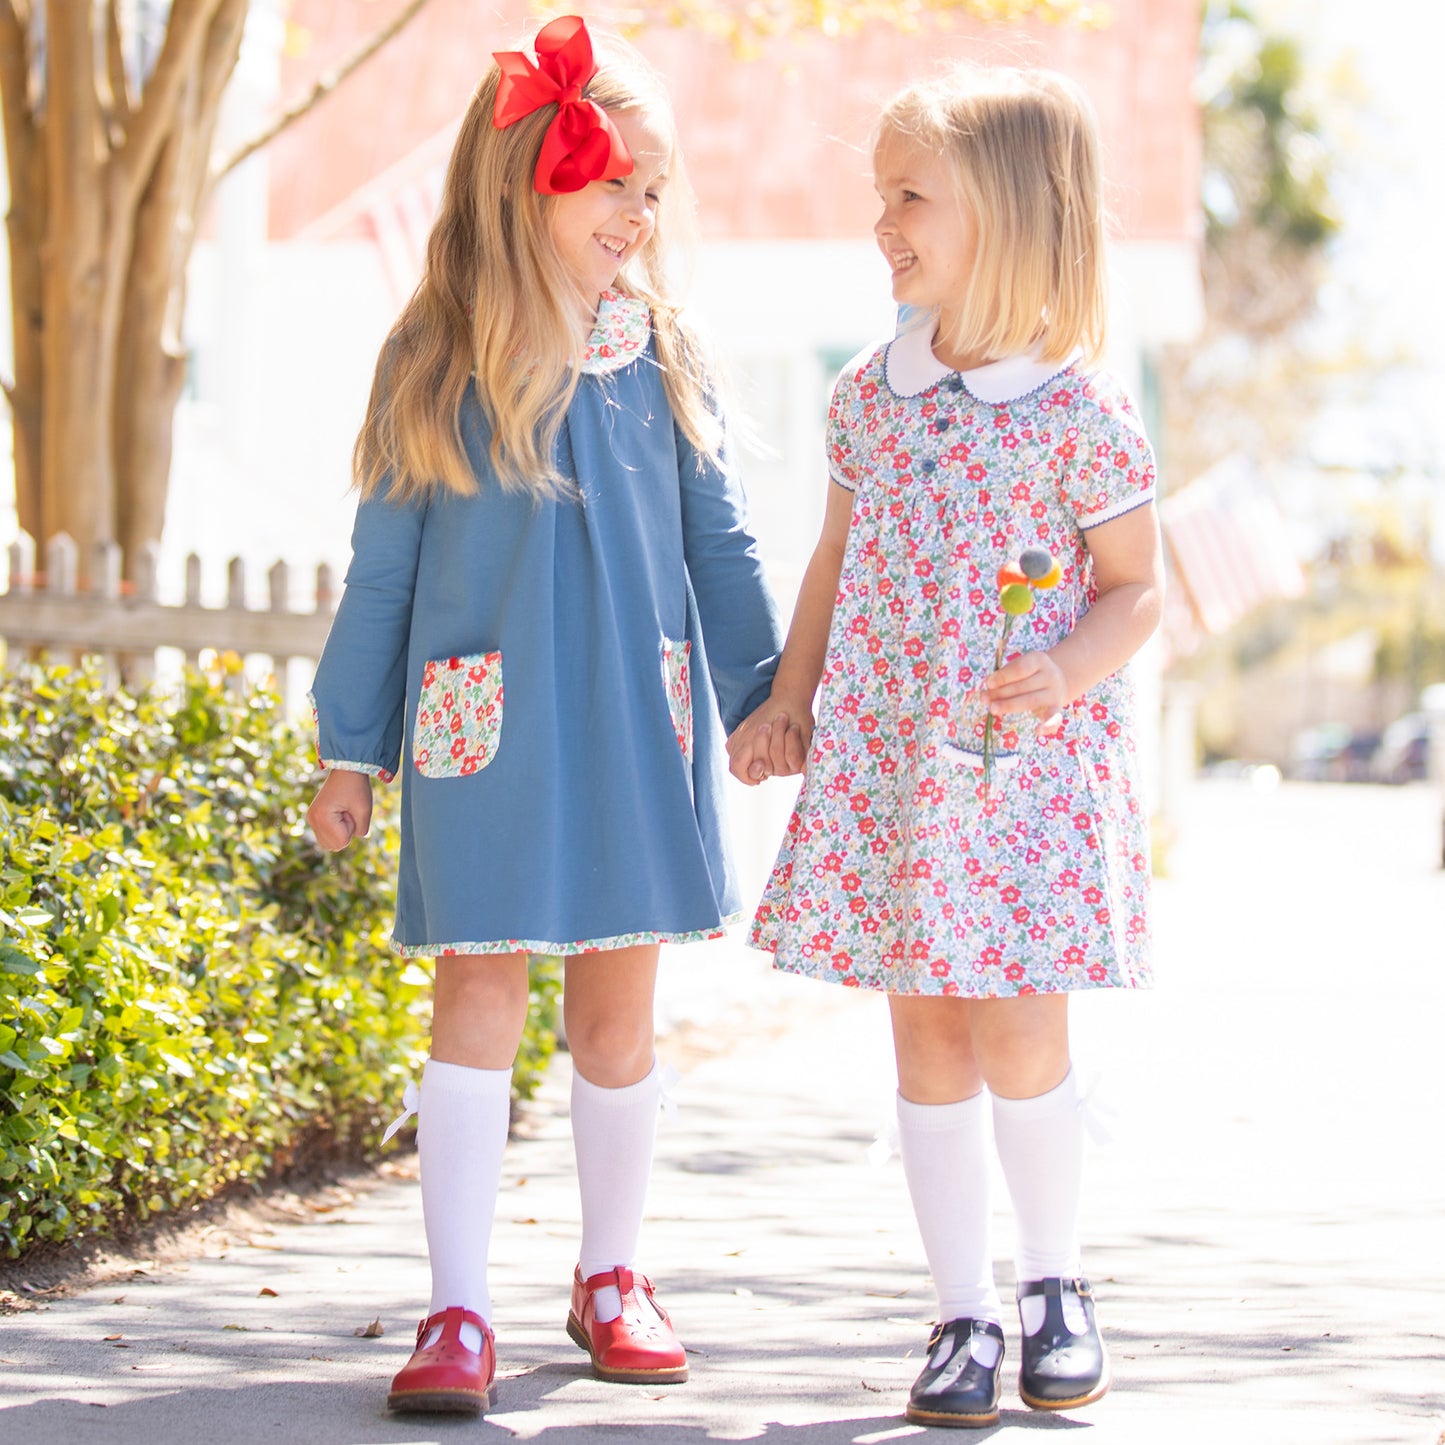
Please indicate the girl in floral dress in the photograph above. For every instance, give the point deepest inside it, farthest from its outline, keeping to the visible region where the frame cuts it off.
(977, 892)
(553, 611)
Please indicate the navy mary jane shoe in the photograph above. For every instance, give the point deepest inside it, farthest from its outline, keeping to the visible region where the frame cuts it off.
(954, 1388)
(1061, 1370)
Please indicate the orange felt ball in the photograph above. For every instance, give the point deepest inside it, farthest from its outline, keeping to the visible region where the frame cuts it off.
(1011, 575)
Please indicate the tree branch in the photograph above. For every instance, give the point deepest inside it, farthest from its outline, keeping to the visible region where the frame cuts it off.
(186, 31)
(223, 48)
(71, 109)
(14, 68)
(120, 108)
(323, 87)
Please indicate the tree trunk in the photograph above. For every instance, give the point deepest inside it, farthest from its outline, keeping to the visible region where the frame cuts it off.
(109, 174)
(76, 479)
(26, 391)
(149, 387)
(24, 165)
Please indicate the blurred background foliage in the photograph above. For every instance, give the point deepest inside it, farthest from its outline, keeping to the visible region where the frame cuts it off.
(1274, 384)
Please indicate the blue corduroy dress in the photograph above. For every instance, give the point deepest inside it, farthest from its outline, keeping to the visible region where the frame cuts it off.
(553, 681)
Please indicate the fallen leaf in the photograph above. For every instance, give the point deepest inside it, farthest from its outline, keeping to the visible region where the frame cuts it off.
(877, 1389)
(27, 1288)
(118, 1300)
(524, 1221)
(112, 1337)
(371, 1331)
(267, 1292)
(260, 1244)
(233, 1327)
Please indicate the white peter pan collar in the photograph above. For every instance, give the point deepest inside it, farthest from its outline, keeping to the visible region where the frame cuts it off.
(912, 368)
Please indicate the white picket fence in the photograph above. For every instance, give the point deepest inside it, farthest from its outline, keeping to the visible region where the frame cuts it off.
(47, 613)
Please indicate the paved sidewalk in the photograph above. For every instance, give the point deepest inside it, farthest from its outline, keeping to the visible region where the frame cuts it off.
(1264, 1231)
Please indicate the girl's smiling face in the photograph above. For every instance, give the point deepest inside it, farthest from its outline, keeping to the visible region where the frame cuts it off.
(598, 229)
(926, 233)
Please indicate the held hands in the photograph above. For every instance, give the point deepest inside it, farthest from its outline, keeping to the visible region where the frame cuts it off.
(341, 809)
(1031, 682)
(772, 740)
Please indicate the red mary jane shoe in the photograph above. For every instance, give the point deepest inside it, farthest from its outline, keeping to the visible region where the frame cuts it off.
(447, 1378)
(638, 1347)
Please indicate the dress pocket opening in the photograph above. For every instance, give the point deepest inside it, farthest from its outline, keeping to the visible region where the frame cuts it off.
(677, 682)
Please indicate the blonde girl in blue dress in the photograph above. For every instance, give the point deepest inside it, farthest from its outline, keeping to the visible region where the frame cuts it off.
(553, 613)
(978, 894)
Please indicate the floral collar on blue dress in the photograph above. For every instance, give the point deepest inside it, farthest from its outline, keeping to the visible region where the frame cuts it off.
(619, 335)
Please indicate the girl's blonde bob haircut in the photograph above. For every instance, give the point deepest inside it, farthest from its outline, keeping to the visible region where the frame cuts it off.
(1022, 147)
(497, 307)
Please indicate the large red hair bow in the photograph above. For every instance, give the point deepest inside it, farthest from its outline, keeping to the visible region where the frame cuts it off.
(581, 144)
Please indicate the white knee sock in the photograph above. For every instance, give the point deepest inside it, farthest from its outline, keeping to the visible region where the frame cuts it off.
(461, 1134)
(1041, 1147)
(612, 1134)
(946, 1163)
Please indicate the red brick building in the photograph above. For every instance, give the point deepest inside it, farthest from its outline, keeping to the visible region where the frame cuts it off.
(773, 143)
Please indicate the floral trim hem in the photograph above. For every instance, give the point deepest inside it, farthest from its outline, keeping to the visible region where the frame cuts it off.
(372, 770)
(1114, 980)
(586, 945)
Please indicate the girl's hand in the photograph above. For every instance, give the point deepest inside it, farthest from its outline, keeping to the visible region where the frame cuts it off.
(1032, 682)
(772, 740)
(341, 809)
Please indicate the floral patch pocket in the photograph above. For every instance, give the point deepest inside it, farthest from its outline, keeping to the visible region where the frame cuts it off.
(964, 737)
(677, 681)
(458, 716)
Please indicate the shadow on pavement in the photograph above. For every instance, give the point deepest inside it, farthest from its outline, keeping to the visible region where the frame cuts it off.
(218, 1416)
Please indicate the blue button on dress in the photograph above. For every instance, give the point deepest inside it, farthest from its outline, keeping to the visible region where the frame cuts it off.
(553, 681)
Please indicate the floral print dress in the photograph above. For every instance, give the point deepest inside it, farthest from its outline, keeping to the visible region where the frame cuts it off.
(900, 870)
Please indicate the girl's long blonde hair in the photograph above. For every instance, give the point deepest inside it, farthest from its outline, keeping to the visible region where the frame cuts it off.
(1023, 149)
(496, 303)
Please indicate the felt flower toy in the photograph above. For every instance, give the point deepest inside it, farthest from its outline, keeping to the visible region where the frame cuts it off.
(581, 144)
(1035, 568)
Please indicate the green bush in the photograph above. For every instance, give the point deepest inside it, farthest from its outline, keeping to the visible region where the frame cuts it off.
(191, 993)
